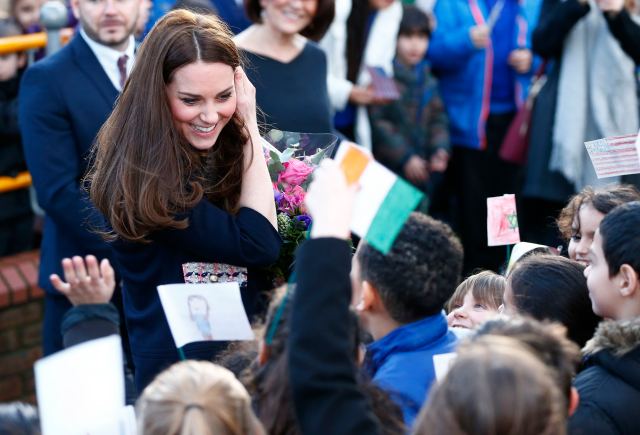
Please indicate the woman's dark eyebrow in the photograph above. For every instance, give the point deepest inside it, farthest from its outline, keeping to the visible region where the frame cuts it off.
(226, 91)
(187, 94)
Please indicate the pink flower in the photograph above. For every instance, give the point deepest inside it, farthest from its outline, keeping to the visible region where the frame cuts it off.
(292, 199)
(295, 172)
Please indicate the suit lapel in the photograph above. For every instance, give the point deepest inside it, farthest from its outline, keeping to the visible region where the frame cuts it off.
(88, 63)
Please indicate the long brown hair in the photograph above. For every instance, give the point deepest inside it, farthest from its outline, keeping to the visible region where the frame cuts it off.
(145, 174)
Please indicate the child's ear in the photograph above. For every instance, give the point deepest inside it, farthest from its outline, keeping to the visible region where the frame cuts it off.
(368, 297)
(629, 280)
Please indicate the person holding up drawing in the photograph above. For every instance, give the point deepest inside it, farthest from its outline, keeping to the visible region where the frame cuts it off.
(179, 175)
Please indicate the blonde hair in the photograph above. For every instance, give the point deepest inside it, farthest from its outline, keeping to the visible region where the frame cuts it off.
(196, 398)
(496, 386)
(487, 287)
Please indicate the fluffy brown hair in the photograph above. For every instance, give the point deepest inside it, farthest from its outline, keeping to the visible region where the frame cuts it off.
(145, 174)
(603, 200)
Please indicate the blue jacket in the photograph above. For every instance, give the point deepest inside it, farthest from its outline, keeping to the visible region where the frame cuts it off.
(401, 362)
(465, 73)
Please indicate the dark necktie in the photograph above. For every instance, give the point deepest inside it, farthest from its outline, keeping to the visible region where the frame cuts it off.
(122, 67)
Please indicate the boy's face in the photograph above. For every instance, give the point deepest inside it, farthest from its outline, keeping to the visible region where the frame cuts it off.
(27, 12)
(603, 290)
(412, 48)
(9, 64)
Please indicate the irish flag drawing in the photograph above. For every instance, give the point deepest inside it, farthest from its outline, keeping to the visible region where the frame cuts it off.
(384, 200)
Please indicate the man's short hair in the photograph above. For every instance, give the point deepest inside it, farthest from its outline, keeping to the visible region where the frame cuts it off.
(420, 272)
(620, 232)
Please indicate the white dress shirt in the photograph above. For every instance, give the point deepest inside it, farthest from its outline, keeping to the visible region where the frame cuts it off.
(108, 57)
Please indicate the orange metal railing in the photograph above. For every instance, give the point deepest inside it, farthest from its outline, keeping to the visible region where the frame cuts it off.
(12, 44)
(22, 181)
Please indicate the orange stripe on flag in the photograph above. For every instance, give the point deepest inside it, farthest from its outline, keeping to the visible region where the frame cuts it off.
(354, 163)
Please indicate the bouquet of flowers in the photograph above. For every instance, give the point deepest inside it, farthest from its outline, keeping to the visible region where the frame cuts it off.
(291, 159)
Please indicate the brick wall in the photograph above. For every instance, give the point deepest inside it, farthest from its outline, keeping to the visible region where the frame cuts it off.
(21, 310)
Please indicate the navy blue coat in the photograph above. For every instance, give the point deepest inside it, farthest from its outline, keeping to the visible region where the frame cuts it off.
(214, 236)
(64, 100)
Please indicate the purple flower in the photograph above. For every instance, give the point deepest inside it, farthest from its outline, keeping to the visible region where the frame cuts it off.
(305, 219)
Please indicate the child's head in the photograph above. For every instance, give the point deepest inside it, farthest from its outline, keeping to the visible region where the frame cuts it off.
(495, 386)
(413, 36)
(547, 341)
(613, 277)
(196, 397)
(19, 418)
(550, 287)
(476, 299)
(26, 12)
(413, 280)
(198, 306)
(579, 220)
(10, 63)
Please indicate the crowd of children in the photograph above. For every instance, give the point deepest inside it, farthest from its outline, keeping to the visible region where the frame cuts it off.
(415, 340)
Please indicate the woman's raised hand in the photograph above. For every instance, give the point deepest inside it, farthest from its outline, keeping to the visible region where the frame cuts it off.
(246, 99)
(86, 281)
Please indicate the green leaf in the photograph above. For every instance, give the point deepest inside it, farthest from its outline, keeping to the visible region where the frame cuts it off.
(287, 154)
(275, 167)
(317, 157)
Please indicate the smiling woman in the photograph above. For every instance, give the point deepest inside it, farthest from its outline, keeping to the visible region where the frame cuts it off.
(180, 178)
(289, 70)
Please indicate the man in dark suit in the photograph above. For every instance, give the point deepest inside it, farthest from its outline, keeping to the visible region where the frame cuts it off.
(64, 100)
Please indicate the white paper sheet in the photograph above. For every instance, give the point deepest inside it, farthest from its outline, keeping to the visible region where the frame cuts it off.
(205, 312)
(80, 390)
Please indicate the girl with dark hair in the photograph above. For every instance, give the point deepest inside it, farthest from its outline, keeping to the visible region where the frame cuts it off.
(580, 218)
(179, 175)
(289, 70)
(550, 287)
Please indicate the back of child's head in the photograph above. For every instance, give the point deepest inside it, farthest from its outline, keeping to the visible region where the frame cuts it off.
(419, 273)
(19, 418)
(602, 200)
(496, 386)
(487, 288)
(551, 287)
(8, 27)
(414, 22)
(619, 231)
(547, 341)
(196, 398)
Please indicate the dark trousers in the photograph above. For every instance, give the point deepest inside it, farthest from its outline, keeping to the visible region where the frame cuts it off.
(475, 175)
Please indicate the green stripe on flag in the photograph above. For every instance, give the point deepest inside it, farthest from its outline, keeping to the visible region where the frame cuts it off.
(394, 211)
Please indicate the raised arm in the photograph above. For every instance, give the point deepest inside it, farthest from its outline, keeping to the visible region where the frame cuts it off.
(622, 26)
(557, 18)
(322, 372)
(257, 192)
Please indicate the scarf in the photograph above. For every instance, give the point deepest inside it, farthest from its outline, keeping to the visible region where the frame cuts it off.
(596, 95)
